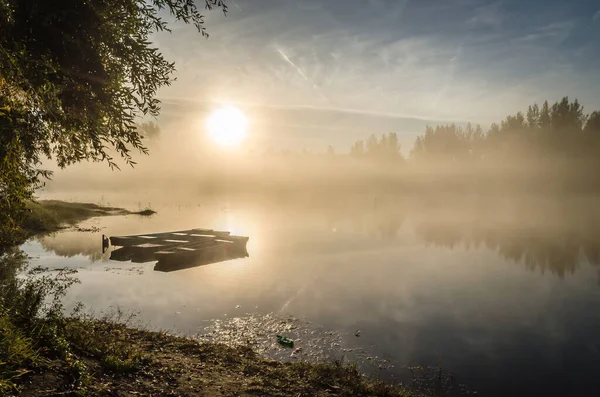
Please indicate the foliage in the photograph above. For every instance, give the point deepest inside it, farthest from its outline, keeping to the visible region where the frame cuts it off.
(34, 330)
(448, 143)
(552, 132)
(386, 149)
(27, 305)
(74, 78)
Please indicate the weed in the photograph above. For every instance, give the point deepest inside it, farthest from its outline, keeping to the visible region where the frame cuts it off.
(81, 377)
(119, 365)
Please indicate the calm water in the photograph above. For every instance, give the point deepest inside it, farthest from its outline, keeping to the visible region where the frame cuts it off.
(504, 293)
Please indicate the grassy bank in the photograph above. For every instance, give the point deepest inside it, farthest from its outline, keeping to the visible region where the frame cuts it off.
(45, 353)
(104, 358)
(46, 216)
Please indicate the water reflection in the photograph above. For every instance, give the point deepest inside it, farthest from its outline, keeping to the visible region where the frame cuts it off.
(427, 280)
(70, 243)
(545, 235)
(182, 260)
(551, 236)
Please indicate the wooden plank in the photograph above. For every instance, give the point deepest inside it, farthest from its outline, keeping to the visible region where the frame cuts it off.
(179, 248)
(124, 241)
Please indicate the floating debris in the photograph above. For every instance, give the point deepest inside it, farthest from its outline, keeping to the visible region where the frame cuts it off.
(318, 343)
(285, 341)
(357, 333)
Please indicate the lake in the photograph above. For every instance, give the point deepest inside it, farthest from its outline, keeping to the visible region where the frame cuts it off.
(502, 292)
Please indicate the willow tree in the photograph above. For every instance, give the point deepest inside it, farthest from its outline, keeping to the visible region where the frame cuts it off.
(75, 76)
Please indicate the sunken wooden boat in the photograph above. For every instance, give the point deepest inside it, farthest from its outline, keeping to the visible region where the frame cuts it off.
(177, 250)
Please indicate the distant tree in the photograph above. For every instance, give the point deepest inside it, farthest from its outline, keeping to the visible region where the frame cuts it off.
(418, 150)
(567, 121)
(560, 130)
(382, 147)
(533, 116)
(591, 135)
(442, 144)
(567, 116)
(592, 125)
(393, 146)
(358, 149)
(478, 143)
(386, 149)
(372, 145)
(149, 130)
(545, 118)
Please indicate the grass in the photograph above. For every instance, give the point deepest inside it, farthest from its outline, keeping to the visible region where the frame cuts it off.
(51, 215)
(47, 216)
(84, 356)
(16, 350)
(44, 352)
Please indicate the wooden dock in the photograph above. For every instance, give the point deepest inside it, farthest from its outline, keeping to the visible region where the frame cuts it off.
(177, 250)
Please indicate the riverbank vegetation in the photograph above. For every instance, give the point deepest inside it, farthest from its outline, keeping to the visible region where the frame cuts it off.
(79, 356)
(45, 352)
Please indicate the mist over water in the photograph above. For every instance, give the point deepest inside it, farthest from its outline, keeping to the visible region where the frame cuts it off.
(500, 289)
(484, 262)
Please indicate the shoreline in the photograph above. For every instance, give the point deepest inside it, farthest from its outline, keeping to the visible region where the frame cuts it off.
(48, 353)
(109, 358)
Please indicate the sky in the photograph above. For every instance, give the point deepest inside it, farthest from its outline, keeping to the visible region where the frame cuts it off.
(312, 73)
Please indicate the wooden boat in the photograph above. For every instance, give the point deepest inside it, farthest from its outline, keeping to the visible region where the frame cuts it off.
(177, 250)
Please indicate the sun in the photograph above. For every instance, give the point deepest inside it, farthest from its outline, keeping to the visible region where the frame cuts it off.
(227, 126)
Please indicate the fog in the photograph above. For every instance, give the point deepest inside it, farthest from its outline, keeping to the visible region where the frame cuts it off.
(478, 250)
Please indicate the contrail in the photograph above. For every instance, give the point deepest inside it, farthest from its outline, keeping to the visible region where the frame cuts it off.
(288, 60)
(301, 73)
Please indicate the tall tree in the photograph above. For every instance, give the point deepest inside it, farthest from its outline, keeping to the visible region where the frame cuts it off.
(545, 119)
(358, 149)
(74, 77)
(372, 145)
(533, 116)
(591, 135)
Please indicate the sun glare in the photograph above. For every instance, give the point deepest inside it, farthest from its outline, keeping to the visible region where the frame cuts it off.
(227, 126)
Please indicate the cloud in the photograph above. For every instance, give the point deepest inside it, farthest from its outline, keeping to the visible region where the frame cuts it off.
(554, 32)
(596, 16)
(488, 16)
(456, 60)
(287, 59)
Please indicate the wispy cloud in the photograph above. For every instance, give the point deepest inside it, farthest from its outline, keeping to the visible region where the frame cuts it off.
(456, 60)
(596, 16)
(489, 15)
(555, 32)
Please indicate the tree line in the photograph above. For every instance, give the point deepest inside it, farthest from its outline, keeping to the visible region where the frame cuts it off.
(561, 131)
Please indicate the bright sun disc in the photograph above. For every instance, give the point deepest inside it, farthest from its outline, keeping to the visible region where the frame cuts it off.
(227, 126)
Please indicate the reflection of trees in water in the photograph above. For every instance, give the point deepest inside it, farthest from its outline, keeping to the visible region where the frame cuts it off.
(12, 261)
(557, 246)
(374, 218)
(545, 234)
(383, 225)
(69, 245)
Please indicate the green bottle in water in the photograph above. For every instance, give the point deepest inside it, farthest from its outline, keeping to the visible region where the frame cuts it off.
(285, 341)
